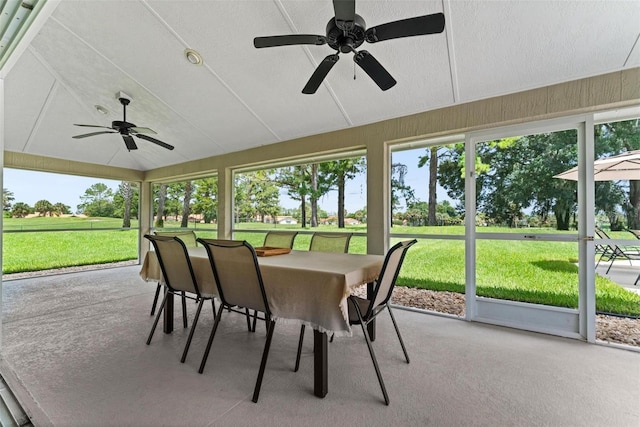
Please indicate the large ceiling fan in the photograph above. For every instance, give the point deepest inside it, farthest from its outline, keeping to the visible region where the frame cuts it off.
(125, 129)
(346, 32)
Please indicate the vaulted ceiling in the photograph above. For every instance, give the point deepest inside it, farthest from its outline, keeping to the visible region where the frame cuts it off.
(243, 97)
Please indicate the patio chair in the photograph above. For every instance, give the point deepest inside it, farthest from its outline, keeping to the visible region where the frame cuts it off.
(330, 242)
(612, 251)
(362, 311)
(179, 279)
(280, 239)
(324, 242)
(237, 273)
(189, 240)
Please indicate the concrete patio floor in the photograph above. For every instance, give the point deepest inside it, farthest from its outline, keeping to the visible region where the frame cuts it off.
(73, 351)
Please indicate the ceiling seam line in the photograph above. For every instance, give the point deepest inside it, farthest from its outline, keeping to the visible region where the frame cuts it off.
(307, 52)
(455, 88)
(41, 113)
(137, 82)
(59, 81)
(215, 75)
(631, 50)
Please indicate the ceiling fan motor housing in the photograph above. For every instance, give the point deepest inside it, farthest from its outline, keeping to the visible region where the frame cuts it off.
(346, 40)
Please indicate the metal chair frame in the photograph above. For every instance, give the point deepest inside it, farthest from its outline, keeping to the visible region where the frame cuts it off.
(280, 235)
(155, 298)
(208, 243)
(199, 299)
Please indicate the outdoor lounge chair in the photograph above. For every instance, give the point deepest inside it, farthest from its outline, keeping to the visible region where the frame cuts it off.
(612, 251)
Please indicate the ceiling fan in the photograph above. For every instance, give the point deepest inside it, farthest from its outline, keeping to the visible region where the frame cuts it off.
(346, 32)
(125, 129)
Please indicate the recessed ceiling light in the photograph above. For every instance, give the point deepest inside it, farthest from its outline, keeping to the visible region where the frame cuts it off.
(193, 56)
(101, 109)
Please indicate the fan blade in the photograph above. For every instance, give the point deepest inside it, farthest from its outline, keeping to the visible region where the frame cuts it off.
(92, 134)
(418, 26)
(156, 141)
(129, 142)
(294, 39)
(320, 73)
(345, 13)
(93, 126)
(374, 69)
(141, 130)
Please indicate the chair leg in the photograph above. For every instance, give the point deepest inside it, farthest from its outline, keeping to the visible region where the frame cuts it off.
(248, 315)
(372, 353)
(213, 333)
(299, 348)
(263, 363)
(255, 320)
(213, 305)
(193, 328)
(155, 299)
(395, 325)
(184, 310)
(155, 322)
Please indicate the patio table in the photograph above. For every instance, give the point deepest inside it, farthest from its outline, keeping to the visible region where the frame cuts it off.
(303, 287)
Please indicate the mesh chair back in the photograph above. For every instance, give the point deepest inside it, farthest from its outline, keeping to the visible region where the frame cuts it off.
(388, 274)
(188, 237)
(322, 242)
(175, 264)
(280, 239)
(235, 268)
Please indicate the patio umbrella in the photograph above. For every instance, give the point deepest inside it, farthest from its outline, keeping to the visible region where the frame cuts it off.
(622, 166)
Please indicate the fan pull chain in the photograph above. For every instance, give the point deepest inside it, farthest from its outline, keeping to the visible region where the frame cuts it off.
(354, 70)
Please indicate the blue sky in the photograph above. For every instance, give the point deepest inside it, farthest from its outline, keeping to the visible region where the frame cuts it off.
(29, 186)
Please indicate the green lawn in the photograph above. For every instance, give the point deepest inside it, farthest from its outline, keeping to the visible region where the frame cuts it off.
(528, 271)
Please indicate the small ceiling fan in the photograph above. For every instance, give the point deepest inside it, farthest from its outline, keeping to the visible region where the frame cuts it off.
(346, 32)
(125, 129)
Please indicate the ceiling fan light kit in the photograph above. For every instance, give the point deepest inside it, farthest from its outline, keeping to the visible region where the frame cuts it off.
(124, 128)
(346, 32)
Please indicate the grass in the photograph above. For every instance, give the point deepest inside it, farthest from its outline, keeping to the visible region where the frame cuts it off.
(528, 271)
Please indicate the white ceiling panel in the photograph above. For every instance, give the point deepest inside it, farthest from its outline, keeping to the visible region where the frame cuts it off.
(243, 97)
(528, 44)
(30, 83)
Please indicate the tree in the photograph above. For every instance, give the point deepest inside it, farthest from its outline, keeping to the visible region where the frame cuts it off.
(97, 201)
(43, 207)
(162, 195)
(298, 184)
(336, 174)
(206, 198)
(60, 209)
(398, 187)
(432, 159)
(124, 198)
(7, 198)
(186, 204)
(21, 210)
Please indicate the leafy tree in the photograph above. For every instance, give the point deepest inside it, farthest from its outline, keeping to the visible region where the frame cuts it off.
(7, 198)
(336, 174)
(43, 207)
(60, 209)
(21, 210)
(126, 202)
(432, 159)
(399, 188)
(297, 182)
(162, 195)
(186, 204)
(206, 198)
(97, 201)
